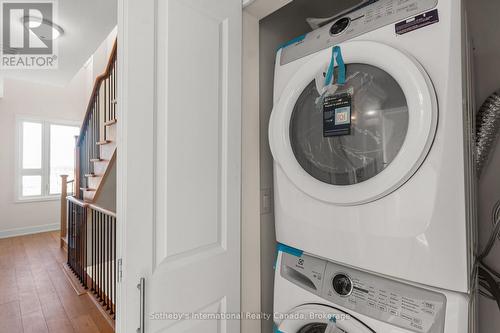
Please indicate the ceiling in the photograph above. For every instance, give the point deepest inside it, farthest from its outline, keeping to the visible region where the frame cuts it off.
(86, 24)
(306, 8)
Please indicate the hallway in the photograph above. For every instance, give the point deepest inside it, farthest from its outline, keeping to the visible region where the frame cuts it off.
(35, 294)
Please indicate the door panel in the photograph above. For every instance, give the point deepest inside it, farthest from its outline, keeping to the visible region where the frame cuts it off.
(191, 208)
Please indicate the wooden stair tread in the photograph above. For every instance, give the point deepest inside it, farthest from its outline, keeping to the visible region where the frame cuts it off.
(104, 142)
(91, 175)
(88, 189)
(110, 122)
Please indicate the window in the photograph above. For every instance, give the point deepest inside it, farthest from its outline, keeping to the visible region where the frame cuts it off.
(45, 152)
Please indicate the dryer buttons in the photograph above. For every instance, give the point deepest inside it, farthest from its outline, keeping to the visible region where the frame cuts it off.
(342, 284)
(340, 26)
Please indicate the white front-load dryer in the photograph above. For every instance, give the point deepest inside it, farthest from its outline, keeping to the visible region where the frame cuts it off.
(395, 193)
(313, 295)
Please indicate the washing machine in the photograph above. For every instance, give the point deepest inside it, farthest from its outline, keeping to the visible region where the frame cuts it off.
(314, 295)
(385, 182)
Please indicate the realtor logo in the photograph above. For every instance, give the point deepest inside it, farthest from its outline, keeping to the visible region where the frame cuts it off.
(28, 35)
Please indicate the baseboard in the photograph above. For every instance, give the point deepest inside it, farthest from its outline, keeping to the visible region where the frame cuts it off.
(29, 230)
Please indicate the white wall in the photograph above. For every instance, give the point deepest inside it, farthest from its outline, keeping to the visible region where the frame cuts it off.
(38, 100)
(101, 56)
(483, 19)
(46, 101)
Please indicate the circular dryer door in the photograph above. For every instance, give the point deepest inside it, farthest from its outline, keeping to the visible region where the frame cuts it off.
(393, 119)
(316, 318)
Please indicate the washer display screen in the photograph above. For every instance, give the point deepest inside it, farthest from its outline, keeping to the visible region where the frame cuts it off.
(379, 124)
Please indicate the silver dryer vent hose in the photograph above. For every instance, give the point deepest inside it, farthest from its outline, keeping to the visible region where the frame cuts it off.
(488, 126)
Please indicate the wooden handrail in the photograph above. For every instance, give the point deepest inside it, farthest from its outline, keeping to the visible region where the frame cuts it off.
(84, 204)
(77, 201)
(95, 91)
(102, 210)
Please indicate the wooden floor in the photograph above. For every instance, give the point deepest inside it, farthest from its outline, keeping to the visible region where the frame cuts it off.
(35, 294)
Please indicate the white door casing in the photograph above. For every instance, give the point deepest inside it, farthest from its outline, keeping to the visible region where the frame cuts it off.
(186, 242)
(423, 115)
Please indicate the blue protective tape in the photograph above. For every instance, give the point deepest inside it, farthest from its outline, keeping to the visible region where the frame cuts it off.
(291, 42)
(290, 250)
(329, 73)
(276, 330)
(287, 249)
(336, 57)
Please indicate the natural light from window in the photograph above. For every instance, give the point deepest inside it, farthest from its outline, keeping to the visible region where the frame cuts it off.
(32, 145)
(47, 152)
(62, 154)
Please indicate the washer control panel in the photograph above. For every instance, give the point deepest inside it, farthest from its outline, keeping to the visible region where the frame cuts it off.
(369, 18)
(399, 304)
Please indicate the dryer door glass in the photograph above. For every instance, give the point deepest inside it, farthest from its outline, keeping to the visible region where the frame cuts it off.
(379, 124)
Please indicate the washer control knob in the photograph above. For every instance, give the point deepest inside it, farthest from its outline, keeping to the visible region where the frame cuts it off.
(340, 26)
(342, 284)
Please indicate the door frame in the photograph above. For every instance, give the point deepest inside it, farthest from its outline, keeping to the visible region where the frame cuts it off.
(135, 134)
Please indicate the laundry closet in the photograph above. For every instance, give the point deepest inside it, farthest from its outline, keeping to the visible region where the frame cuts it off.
(268, 28)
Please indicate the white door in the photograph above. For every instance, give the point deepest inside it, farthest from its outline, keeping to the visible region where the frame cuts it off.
(179, 164)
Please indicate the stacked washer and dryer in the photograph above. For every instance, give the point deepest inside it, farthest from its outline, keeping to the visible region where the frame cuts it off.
(376, 224)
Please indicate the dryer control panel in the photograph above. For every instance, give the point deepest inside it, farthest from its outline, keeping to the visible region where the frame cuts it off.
(369, 18)
(399, 304)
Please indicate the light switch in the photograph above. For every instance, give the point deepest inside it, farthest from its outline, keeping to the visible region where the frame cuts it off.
(266, 201)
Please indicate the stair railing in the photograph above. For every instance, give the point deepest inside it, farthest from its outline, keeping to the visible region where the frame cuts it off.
(101, 111)
(92, 250)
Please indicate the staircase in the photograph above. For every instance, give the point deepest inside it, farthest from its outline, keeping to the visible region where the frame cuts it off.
(88, 227)
(96, 144)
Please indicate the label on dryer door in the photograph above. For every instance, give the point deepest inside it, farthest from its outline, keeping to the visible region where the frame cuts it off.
(337, 115)
(417, 22)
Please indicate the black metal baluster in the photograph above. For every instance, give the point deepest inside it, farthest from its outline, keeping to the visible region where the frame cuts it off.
(100, 255)
(92, 249)
(77, 245)
(69, 233)
(85, 242)
(108, 262)
(95, 253)
(99, 249)
(113, 266)
(79, 242)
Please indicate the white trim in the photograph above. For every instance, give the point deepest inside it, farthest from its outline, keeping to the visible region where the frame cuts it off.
(29, 230)
(32, 199)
